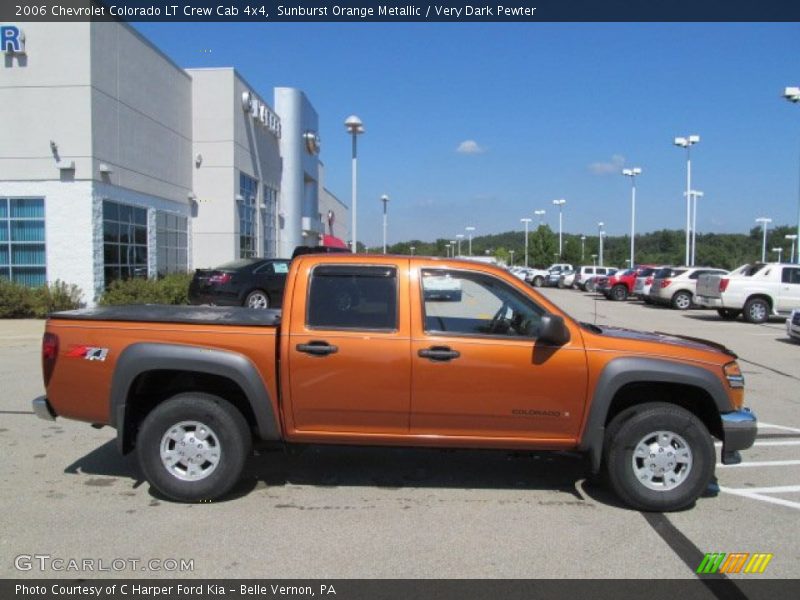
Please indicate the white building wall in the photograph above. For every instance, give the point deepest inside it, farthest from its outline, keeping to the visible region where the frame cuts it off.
(230, 140)
(141, 114)
(45, 96)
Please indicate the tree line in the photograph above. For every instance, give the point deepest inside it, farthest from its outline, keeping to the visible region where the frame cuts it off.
(667, 246)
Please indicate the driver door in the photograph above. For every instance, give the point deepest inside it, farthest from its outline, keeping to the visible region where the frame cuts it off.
(478, 369)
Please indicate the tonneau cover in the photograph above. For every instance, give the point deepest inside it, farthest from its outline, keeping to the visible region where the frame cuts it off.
(160, 313)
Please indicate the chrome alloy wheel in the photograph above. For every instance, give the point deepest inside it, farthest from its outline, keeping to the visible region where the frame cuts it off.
(190, 450)
(683, 301)
(758, 312)
(662, 460)
(257, 300)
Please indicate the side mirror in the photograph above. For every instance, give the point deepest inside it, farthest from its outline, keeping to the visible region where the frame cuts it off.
(553, 330)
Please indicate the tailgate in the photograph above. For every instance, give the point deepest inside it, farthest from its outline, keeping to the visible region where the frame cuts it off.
(708, 285)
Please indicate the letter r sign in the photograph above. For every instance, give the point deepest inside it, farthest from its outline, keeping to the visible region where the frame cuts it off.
(12, 40)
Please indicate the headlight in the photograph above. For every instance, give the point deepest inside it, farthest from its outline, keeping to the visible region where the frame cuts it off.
(734, 375)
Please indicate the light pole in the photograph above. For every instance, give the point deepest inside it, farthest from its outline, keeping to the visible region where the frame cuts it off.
(687, 142)
(511, 252)
(560, 204)
(583, 242)
(412, 248)
(779, 251)
(695, 196)
(540, 214)
(385, 200)
(459, 237)
(594, 260)
(469, 231)
(355, 127)
(764, 222)
(527, 221)
(792, 94)
(452, 248)
(632, 173)
(600, 234)
(793, 237)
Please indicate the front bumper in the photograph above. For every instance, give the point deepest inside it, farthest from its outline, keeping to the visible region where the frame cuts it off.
(739, 429)
(42, 409)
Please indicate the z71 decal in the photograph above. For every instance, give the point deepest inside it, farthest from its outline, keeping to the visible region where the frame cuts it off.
(88, 353)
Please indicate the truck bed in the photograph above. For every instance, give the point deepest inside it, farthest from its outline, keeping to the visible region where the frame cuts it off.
(157, 313)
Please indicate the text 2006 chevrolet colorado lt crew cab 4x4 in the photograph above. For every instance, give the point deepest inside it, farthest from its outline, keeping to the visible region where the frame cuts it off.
(360, 354)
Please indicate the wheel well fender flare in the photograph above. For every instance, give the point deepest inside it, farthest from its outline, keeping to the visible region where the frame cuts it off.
(140, 358)
(626, 370)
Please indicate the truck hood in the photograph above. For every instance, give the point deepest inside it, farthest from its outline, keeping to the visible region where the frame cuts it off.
(659, 337)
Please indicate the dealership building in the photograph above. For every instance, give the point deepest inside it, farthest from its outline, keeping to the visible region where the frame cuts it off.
(116, 162)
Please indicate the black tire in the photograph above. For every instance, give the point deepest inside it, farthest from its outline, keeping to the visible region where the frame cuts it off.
(681, 300)
(537, 281)
(630, 429)
(589, 286)
(257, 299)
(619, 293)
(226, 427)
(729, 314)
(756, 310)
(561, 284)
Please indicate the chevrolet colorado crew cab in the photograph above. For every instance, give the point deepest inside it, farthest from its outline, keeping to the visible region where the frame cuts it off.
(365, 351)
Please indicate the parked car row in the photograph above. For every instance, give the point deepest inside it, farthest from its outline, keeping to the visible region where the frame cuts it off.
(756, 291)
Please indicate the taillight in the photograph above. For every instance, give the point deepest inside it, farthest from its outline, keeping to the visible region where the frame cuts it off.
(49, 355)
(723, 284)
(220, 278)
(648, 281)
(666, 283)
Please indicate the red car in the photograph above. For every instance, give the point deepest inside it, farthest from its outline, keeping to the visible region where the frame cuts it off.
(620, 285)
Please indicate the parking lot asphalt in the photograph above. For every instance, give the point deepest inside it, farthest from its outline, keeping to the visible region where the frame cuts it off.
(327, 512)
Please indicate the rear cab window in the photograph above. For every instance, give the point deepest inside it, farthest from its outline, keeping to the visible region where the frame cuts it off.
(353, 297)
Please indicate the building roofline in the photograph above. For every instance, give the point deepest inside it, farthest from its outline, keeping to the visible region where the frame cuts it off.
(152, 46)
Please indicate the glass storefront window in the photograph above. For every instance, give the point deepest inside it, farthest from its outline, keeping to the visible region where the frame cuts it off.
(22, 244)
(269, 216)
(172, 243)
(248, 190)
(124, 241)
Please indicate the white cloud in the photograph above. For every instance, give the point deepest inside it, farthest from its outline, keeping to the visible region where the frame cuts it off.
(470, 147)
(608, 167)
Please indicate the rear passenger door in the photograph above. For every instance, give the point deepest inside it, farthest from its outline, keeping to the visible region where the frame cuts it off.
(789, 296)
(348, 350)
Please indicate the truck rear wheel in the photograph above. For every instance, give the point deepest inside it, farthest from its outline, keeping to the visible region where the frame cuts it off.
(193, 446)
(658, 457)
(756, 310)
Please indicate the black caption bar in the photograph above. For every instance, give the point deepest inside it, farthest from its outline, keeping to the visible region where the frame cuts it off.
(255, 11)
(396, 589)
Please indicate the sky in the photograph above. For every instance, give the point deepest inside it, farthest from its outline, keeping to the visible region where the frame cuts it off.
(482, 124)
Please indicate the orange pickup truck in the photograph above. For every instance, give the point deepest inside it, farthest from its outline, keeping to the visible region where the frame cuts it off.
(396, 350)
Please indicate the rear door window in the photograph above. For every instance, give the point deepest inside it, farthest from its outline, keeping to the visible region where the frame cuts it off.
(790, 275)
(352, 297)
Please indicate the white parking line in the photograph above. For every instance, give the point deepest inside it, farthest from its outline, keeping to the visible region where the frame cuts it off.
(761, 496)
(780, 443)
(763, 463)
(782, 427)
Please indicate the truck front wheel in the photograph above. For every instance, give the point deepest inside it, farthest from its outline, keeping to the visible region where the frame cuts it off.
(658, 457)
(193, 446)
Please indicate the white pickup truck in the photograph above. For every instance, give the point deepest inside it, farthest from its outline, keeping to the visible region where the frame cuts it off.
(538, 277)
(758, 291)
